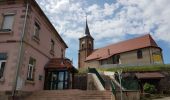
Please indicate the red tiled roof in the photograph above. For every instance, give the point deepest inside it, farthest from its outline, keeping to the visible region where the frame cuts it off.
(124, 46)
(149, 75)
(59, 63)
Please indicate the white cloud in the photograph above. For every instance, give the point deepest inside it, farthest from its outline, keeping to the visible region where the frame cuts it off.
(109, 22)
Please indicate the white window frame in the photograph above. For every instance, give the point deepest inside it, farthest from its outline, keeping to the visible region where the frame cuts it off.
(30, 73)
(11, 24)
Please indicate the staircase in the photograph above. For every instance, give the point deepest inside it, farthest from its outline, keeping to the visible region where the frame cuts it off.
(70, 95)
(112, 78)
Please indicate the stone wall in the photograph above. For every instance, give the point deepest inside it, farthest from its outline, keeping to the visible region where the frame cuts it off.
(128, 95)
(80, 82)
(164, 86)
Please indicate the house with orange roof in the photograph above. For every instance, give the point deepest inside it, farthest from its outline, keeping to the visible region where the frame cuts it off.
(137, 51)
(32, 53)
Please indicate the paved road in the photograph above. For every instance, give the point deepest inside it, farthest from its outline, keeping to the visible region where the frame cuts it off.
(166, 98)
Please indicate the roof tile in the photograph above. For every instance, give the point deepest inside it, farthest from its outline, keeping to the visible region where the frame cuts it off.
(124, 46)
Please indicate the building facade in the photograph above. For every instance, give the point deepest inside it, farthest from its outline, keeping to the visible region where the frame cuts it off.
(142, 50)
(28, 42)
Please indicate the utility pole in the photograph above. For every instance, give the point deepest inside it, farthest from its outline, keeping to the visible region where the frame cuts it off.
(120, 80)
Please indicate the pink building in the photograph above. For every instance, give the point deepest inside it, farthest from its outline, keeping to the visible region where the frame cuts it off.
(30, 47)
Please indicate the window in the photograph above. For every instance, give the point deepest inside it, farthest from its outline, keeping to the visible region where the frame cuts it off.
(31, 69)
(82, 46)
(52, 45)
(3, 57)
(8, 22)
(139, 54)
(62, 53)
(116, 59)
(58, 80)
(36, 30)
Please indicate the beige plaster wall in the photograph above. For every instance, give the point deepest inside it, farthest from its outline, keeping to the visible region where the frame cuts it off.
(93, 63)
(131, 57)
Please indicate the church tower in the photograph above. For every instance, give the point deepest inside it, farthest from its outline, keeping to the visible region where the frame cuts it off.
(85, 47)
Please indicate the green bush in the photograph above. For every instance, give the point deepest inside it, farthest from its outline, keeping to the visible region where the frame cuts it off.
(149, 88)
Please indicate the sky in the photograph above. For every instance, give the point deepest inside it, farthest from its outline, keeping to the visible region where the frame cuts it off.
(109, 21)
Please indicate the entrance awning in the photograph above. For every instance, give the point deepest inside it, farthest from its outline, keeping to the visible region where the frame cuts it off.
(60, 63)
(149, 75)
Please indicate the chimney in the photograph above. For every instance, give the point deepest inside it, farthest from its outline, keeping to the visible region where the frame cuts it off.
(108, 51)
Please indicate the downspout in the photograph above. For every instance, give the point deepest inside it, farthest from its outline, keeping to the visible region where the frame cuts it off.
(162, 57)
(20, 51)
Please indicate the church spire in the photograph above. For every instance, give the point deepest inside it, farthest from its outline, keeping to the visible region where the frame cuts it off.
(87, 32)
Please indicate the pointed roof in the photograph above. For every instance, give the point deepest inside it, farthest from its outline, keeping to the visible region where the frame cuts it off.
(124, 46)
(60, 63)
(87, 32)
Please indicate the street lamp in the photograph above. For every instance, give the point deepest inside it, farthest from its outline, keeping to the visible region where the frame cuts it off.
(120, 80)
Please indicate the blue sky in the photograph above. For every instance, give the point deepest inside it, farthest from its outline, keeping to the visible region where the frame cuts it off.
(110, 21)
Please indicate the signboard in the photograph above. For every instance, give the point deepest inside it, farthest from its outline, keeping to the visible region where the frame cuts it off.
(157, 58)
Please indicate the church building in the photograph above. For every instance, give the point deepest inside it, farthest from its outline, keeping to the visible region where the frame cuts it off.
(141, 50)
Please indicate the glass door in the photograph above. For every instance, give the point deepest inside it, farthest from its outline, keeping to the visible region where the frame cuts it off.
(63, 80)
(53, 83)
(58, 80)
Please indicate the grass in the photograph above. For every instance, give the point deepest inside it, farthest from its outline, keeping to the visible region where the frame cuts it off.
(147, 68)
(82, 71)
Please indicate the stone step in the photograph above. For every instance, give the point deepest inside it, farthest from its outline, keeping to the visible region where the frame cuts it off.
(70, 95)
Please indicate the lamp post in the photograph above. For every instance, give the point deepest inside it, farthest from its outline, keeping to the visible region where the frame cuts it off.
(120, 80)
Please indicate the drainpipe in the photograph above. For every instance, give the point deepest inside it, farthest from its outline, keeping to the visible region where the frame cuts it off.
(20, 51)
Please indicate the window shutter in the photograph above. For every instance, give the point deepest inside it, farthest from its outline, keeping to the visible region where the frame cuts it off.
(8, 22)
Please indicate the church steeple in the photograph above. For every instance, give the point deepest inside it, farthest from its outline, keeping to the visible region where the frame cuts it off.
(87, 32)
(85, 47)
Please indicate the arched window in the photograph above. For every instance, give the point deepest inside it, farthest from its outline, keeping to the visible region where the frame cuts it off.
(82, 46)
(90, 44)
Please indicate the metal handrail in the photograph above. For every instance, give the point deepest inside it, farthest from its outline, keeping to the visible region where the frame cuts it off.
(93, 70)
